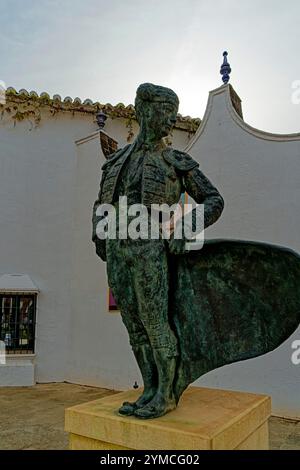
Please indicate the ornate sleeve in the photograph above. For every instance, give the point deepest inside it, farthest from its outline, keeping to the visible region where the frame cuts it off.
(203, 192)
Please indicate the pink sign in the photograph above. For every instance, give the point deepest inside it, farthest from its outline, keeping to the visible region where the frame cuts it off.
(111, 301)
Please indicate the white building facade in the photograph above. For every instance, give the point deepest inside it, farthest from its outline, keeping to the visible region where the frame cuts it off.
(50, 160)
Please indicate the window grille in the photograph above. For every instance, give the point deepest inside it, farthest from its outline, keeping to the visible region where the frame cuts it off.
(17, 322)
(108, 144)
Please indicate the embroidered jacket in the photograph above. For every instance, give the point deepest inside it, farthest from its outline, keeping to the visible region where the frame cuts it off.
(165, 176)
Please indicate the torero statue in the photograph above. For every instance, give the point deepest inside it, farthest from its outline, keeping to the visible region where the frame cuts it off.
(185, 312)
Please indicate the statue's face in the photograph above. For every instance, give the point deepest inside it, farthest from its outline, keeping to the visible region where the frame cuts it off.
(160, 118)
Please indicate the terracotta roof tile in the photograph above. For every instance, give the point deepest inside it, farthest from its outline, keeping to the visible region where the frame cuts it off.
(88, 106)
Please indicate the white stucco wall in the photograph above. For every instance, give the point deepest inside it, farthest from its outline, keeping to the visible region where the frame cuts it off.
(37, 171)
(48, 185)
(49, 181)
(18, 371)
(258, 175)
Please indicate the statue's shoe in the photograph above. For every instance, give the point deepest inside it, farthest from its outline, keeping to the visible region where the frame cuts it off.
(154, 410)
(128, 409)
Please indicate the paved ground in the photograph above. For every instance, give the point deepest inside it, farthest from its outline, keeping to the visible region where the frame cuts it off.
(284, 434)
(33, 417)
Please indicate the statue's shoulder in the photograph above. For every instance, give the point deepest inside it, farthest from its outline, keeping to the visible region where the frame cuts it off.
(180, 160)
(112, 158)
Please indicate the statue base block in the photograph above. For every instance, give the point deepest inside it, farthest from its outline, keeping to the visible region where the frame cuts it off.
(204, 419)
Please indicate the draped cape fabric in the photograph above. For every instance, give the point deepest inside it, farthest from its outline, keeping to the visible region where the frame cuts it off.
(231, 301)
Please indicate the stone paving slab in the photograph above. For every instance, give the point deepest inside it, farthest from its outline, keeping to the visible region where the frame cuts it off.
(33, 417)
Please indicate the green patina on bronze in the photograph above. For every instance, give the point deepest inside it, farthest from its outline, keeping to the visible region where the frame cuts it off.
(187, 313)
(233, 300)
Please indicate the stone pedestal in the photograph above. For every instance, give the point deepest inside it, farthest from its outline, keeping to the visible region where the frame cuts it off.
(205, 419)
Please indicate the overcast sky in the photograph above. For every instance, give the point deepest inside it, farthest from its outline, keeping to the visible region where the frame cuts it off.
(103, 49)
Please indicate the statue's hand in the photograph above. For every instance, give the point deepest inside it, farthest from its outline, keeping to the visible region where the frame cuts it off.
(177, 246)
(101, 249)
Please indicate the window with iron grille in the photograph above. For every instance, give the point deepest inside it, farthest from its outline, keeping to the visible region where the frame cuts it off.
(17, 322)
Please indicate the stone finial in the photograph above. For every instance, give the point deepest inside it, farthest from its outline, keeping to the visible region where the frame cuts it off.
(101, 118)
(225, 69)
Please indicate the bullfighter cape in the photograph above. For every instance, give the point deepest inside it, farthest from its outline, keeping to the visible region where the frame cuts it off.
(231, 301)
